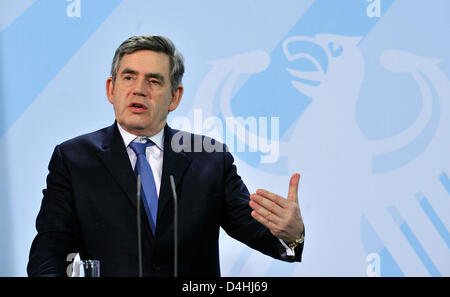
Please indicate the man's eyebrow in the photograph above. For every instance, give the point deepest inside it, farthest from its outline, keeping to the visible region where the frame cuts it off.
(128, 71)
(155, 75)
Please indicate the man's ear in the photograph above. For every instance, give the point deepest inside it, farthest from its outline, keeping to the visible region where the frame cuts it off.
(110, 89)
(176, 98)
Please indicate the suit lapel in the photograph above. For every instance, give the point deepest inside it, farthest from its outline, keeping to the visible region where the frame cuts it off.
(114, 155)
(174, 163)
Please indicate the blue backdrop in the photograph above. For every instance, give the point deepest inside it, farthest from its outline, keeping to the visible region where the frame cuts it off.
(353, 94)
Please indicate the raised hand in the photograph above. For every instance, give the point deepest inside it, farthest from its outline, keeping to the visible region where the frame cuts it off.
(280, 215)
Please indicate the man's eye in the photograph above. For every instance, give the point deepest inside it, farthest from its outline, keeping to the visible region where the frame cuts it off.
(127, 78)
(156, 82)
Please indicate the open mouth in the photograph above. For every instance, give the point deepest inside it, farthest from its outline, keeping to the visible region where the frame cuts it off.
(136, 106)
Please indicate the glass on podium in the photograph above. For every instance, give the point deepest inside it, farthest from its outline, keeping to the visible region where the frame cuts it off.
(86, 268)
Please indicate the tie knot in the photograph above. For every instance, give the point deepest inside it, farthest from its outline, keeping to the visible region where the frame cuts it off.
(139, 148)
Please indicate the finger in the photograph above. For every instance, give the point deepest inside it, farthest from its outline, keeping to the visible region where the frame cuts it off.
(268, 204)
(293, 188)
(281, 201)
(258, 217)
(265, 212)
(273, 228)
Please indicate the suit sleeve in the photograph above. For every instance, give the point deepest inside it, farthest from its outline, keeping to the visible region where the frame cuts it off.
(57, 227)
(238, 222)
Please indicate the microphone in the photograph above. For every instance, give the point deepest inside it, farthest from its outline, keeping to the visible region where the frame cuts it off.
(175, 227)
(138, 221)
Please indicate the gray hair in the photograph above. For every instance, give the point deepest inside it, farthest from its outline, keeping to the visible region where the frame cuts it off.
(154, 43)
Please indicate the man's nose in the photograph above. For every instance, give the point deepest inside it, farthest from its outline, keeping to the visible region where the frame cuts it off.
(139, 88)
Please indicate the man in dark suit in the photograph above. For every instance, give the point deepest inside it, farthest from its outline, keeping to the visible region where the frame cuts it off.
(89, 205)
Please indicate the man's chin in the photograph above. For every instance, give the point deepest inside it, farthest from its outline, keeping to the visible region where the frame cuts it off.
(139, 128)
(134, 127)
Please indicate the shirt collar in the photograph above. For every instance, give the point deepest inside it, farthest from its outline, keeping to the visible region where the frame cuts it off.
(127, 137)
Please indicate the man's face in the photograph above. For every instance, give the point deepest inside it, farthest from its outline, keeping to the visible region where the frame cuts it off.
(141, 93)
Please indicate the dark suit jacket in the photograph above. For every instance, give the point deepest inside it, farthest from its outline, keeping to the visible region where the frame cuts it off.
(89, 206)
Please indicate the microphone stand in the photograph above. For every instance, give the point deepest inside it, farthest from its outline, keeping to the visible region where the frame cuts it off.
(138, 221)
(175, 227)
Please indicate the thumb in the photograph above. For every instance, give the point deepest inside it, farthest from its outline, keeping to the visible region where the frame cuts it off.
(293, 188)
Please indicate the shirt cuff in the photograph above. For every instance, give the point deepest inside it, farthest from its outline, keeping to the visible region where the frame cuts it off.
(289, 252)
